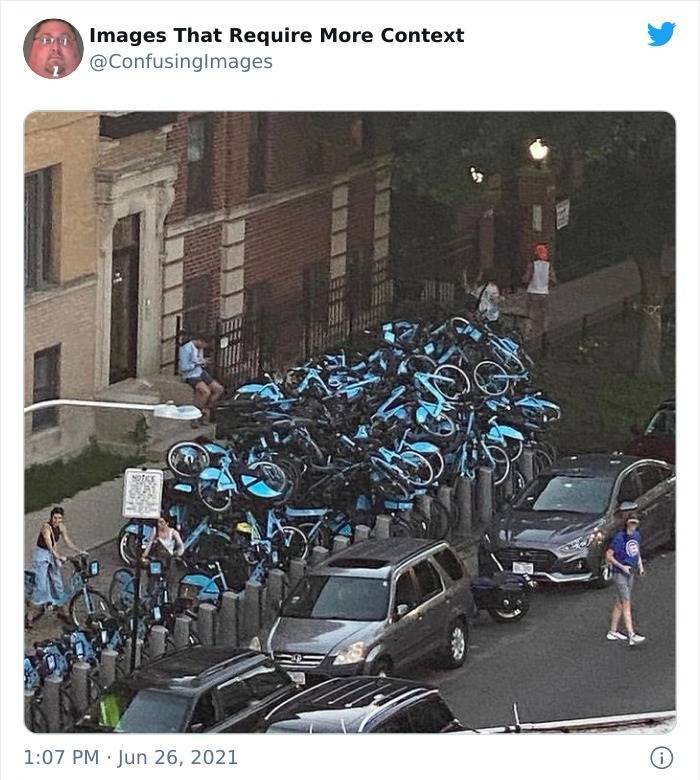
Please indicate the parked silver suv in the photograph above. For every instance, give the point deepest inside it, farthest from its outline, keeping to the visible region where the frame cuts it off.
(375, 608)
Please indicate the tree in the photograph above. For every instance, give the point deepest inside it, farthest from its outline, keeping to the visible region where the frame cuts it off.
(634, 167)
(629, 177)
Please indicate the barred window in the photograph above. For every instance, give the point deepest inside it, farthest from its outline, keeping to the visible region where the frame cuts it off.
(47, 381)
(200, 135)
(39, 268)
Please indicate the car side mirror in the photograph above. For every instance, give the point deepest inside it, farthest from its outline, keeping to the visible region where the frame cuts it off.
(401, 610)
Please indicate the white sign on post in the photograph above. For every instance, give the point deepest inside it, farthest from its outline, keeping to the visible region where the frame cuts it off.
(143, 492)
(563, 210)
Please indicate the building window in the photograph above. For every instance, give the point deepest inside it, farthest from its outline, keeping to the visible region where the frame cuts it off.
(195, 305)
(38, 229)
(200, 136)
(257, 154)
(47, 380)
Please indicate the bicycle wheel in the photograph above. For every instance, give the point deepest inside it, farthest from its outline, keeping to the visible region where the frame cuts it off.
(440, 426)
(540, 460)
(491, 378)
(128, 545)
(87, 603)
(266, 481)
(122, 589)
(321, 537)
(418, 470)
(499, 462)
(433, 456)
(459, 386)
(187, 459)
(290, 542)
(213, 498)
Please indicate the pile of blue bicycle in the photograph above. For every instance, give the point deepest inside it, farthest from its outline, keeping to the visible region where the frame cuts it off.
(349, 435)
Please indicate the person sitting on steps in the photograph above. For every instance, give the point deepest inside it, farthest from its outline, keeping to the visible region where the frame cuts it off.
(191, 362)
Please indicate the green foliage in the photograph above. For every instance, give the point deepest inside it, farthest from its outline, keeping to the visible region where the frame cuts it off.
(53, 482)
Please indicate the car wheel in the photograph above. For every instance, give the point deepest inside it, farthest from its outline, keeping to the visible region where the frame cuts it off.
(456, 646)
(604, 576)
(382, 668)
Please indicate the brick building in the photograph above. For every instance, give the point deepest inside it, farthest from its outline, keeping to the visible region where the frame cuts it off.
(272, 228)
(60, 279)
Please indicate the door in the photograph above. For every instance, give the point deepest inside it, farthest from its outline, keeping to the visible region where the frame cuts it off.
(402, 638)
(656, 509)
(433, 606)
(125, 299)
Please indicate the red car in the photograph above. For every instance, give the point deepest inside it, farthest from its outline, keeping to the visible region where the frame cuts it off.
(658, 439)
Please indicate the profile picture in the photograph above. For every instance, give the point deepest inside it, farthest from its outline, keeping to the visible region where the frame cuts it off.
(53, 48)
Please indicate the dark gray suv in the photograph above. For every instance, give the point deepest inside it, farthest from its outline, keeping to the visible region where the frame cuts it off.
(377, 607)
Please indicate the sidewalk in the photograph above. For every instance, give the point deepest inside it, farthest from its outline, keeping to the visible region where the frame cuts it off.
(571, 301)
(94, 516)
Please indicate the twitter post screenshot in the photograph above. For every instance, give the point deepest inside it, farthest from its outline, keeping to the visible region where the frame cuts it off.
(358, 346)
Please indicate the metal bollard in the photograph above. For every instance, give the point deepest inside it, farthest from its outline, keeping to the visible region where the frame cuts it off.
(157, 642)
(139, 652)
(382, 527)
(463, 502)
(205, 623)
(484, 495)
(251, 611)
(181, 635)
(28, 699)
(340, 542)
(51, 703)
(527, 464)
(231, 605)
(108, 667)
(424, 506)
(79, 677)
(318, 555)
(297, 570)
(362, 533)
(274, 595)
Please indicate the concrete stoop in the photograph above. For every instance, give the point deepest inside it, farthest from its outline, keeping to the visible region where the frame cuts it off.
(123, 431)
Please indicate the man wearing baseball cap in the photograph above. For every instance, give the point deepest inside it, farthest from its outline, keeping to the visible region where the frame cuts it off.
(625, 558)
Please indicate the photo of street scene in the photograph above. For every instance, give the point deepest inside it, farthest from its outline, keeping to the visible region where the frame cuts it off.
(349, 422)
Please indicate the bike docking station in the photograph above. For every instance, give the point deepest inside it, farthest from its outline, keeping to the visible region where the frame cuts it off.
(141, 502)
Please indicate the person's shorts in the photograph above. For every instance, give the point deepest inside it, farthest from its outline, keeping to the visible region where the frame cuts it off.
(624, 584)
(203, 377)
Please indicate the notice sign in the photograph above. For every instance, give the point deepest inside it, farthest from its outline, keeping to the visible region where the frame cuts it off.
(563, 208)
(143, 491)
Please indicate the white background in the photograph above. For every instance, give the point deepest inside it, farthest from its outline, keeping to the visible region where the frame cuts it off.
(518, 56)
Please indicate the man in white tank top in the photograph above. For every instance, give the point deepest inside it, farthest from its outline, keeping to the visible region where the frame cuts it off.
(538, 278)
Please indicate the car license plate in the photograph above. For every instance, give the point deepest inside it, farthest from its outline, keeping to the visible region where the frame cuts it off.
(520, 567)
(298, 677)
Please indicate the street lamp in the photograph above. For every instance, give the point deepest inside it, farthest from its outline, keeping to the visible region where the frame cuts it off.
(538, 150)
(167, 411)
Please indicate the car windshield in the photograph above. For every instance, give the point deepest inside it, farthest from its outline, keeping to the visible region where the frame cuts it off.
(566, 493)
(127, 710)
(338, 598)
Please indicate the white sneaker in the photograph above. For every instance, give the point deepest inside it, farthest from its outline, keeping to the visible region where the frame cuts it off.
(636, 639)
(615, 635)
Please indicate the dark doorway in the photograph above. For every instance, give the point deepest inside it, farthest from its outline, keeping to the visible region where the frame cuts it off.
(125, 299)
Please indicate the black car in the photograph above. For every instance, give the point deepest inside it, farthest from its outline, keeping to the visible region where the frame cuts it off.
(199, 689)
(363, 705)
(559, 526)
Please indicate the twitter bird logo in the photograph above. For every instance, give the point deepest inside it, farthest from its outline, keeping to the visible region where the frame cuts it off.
(660, 36)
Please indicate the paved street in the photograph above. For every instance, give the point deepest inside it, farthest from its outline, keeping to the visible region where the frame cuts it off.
(557, 664)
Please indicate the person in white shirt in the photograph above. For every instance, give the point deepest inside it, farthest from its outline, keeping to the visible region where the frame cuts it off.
(538, 278)
(487, 295)
(207, 391)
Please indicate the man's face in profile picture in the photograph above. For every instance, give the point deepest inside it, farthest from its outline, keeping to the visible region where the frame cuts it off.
(54, 51)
